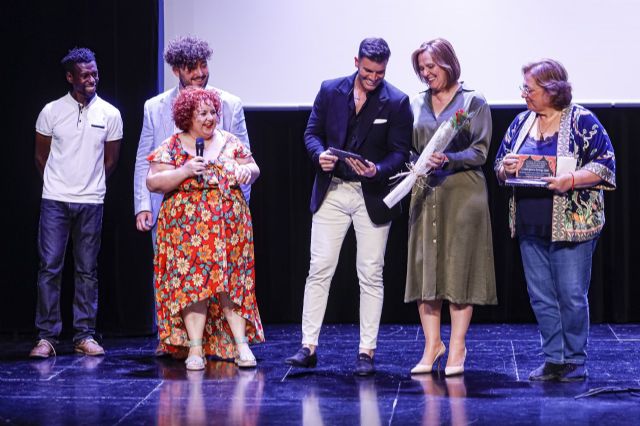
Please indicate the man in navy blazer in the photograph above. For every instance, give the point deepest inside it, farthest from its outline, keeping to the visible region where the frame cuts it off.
(366, 116)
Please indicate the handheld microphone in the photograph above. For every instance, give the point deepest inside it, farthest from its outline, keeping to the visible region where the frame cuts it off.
(199, 147)
(199, 150)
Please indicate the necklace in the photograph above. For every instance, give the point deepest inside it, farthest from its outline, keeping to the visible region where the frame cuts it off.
(359, 94)
(550, 122)
(356, 96)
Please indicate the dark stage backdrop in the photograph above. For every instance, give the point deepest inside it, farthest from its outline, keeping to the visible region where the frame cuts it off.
(35, 36)
(282, 220)
(124, 36)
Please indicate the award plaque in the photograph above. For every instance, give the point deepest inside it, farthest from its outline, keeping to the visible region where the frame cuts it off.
(342, 155)
(531, 168)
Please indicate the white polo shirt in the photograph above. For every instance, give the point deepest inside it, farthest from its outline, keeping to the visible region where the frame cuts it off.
(75, 168)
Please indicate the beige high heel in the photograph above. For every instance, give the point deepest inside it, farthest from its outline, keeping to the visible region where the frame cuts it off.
(456, 369)
(428, 368)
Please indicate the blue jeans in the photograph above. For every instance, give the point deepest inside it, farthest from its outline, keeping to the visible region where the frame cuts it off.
(558, 277)
(83, 222)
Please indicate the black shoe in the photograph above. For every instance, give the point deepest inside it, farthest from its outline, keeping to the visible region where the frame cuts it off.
(573, 373)
(364, 365)
(546, 372)
(303, 358)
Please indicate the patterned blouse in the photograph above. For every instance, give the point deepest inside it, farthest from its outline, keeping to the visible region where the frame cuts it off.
(578, 215)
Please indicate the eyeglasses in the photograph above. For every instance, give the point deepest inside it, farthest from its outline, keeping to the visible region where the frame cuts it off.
(525, 90)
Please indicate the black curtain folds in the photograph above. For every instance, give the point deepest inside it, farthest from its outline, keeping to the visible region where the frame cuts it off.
(124, 35)
(35, 36)
(282, 225)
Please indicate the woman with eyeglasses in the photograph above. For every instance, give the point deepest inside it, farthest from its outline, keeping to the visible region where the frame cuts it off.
(204, 264)
(558, 223)
(450, 250)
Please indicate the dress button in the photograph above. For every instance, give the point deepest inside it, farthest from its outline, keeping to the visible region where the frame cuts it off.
(434, 223)
(434, 241)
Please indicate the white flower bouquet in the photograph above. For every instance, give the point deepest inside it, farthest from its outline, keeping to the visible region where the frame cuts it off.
(438, 143)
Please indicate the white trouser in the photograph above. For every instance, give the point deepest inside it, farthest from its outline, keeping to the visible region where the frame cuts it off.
(343, 204)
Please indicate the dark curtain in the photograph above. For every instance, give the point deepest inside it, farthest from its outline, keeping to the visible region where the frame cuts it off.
(283, 224)
(35, 36)
(124, 35)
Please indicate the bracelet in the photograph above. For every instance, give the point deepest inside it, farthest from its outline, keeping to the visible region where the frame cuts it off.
(573, 181)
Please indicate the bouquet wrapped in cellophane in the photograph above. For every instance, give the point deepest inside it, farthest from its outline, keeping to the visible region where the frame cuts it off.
(439, 141)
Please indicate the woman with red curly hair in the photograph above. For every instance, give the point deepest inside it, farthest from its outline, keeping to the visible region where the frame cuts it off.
(204, 263)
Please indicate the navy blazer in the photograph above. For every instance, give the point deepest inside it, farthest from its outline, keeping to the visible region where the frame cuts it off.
(384, 138)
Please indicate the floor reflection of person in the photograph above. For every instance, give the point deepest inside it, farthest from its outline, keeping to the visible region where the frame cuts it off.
(204, 263)
(246, 401)
(434, 393)
(311, 414)
(437, 392)
(368, 396)
(457, 392)
(45, 366)
(195, 410)
(244, 389)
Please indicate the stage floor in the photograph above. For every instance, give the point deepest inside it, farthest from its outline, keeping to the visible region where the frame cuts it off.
(130, 386)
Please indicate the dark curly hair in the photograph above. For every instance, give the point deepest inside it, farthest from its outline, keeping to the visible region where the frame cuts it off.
(187, 51)
(188, 102)
(553, 78)
(375, 49)
(77, 55)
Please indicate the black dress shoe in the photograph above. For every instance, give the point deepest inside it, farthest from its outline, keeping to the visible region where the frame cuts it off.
(364, 365)
(303, 358)
(546, 372)
(573, 373)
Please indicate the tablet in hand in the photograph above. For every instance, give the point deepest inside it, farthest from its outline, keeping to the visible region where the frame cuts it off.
(343, 155)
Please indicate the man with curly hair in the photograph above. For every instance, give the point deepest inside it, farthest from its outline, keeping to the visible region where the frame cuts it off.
(77, 147)
(187, 56)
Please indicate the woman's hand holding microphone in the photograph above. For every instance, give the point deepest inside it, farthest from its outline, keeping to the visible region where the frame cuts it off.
(194, 167)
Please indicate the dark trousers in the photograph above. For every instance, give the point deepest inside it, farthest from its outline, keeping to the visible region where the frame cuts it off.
(83, 222)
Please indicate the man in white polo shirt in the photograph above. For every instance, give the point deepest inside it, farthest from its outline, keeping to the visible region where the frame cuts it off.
(77, 146)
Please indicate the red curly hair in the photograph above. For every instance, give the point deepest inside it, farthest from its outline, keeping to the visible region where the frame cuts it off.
(187, 103)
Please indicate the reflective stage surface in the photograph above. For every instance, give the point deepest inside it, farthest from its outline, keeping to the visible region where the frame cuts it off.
(130, 386)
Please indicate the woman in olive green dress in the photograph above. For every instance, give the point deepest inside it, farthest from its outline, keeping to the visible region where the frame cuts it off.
(450, 247)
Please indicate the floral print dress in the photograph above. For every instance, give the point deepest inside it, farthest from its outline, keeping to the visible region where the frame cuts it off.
(205, 247)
